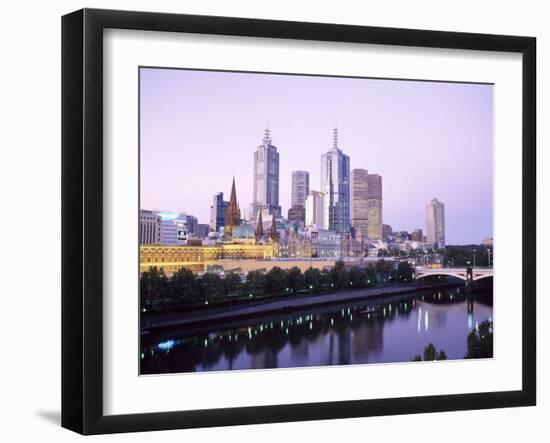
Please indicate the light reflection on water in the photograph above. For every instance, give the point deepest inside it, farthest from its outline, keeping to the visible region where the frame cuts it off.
(367, 332)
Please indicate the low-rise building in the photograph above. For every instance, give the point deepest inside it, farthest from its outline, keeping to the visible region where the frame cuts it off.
(198, 257)
(149, 227)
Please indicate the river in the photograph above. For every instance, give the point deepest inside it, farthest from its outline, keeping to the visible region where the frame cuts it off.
(374, 331)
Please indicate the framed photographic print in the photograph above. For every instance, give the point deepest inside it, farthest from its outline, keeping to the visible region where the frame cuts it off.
(269, 221)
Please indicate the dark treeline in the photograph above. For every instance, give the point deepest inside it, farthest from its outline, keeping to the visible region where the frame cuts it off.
(460, 255)
(479, 345)
(186, 289)
(480, 341)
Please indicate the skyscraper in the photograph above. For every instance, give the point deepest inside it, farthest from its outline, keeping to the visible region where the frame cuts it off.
(217, 212)
(233, 212)
(336, 187)
(315, 209)
(192, 223)
(435, 223)
(266, 178)
(359, 199)
(374, 206)
(300, 187)
(297, 215)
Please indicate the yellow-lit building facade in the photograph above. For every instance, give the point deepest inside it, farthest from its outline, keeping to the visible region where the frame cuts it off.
(198, 258)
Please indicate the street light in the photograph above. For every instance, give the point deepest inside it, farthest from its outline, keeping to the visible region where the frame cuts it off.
(474, 258)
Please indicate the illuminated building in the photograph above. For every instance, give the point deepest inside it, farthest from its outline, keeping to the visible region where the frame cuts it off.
(198, 257)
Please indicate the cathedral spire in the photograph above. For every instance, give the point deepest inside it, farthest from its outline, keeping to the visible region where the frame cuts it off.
(233, 197)
(273, 232)
(260, 227)
(233, 212)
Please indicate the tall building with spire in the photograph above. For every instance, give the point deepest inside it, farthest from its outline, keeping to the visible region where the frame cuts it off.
(233, 212)
(335, 185)
(266, 178)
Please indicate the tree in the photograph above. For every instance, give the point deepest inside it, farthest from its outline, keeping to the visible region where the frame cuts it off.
(480, 341)
(460, 255)
(404, 272)
(275, 281)
(383, 266)
(369, 275)
(183, 283)
(154, 287)
(212, 286)
(232, 282)
(430, 354)
(295, 279)
(257, 282)
(339, 277)
(313, 279)
(356, 277)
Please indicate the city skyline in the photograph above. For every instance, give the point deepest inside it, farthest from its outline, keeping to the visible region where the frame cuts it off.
(187, 137)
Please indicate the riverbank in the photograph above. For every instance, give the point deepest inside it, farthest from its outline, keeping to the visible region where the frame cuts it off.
(284, 304)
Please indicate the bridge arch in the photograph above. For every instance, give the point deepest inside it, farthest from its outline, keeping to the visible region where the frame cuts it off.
(441, 274)
(464, 274)
(482, 276)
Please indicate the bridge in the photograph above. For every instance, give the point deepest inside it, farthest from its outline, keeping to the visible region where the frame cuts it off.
(468, 274)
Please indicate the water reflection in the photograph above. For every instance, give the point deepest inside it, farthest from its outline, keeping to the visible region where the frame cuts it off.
(370, 332)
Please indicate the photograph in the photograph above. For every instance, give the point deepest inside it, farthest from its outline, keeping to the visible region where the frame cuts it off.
(292, 220)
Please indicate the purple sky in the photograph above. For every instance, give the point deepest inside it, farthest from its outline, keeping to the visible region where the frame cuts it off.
(426, 139)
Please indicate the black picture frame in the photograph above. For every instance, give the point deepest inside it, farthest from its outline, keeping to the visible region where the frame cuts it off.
(82, 215)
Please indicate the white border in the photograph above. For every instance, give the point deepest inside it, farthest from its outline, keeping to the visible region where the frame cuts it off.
(125, 392)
